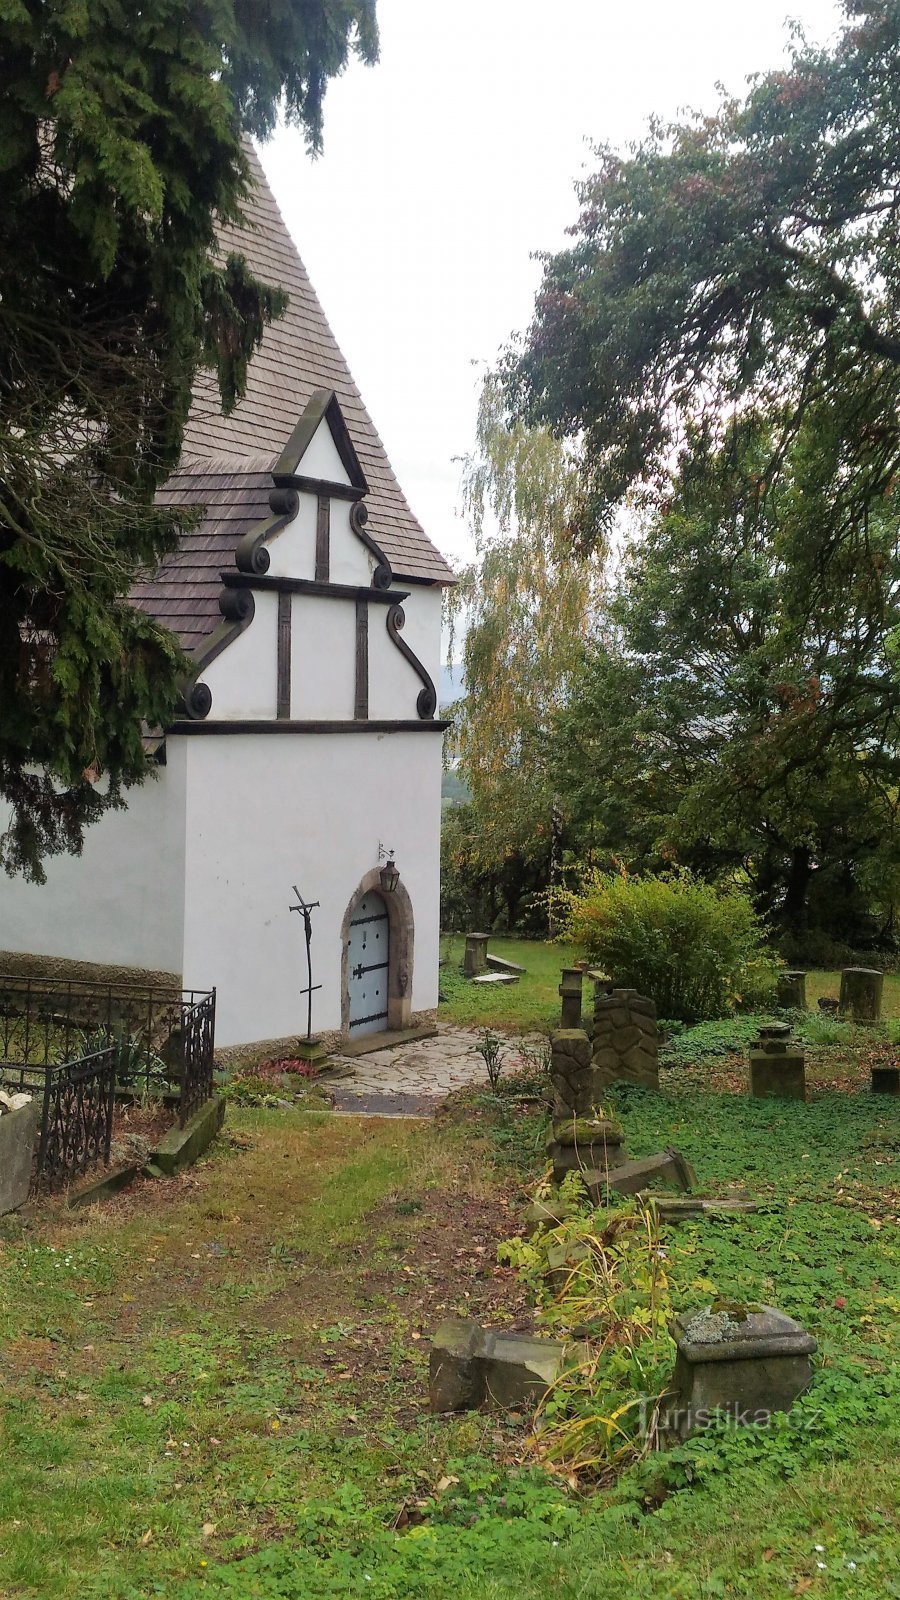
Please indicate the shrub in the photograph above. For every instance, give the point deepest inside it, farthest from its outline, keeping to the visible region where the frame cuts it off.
(698, 951)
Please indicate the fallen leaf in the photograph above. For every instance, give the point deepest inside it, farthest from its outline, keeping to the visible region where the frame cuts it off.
(445, 1483)
(147, 1536)
(208, 1528)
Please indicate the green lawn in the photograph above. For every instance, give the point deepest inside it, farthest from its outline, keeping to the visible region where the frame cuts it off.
(532, 1004)
(215, 1386)
(529, 1006)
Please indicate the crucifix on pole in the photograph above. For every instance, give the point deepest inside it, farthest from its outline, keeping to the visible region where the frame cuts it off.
(305, 907)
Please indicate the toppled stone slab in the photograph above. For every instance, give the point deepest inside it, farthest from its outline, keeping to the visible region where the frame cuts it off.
(471, 1366)
(670, 1167)
(500, 964)
(676, 1208)
(744, 1361)
(496, 977)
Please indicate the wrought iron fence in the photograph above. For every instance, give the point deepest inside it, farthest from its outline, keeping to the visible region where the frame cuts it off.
(74, 1043)
(77, 1100)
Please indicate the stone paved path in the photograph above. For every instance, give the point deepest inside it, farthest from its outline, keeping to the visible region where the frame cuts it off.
(411, 1079)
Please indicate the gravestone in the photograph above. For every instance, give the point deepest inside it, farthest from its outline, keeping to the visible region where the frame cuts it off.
(18, 1132)
(626, 1039)
(744, 1361)
(777, 1067)
(475, 959)
(791, 991)
(471, 1366)
(580, 1138)
(861, 989)
(570, 993)
(885, 1080)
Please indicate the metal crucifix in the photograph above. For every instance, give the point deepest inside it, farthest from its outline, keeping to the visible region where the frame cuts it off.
(305, 907)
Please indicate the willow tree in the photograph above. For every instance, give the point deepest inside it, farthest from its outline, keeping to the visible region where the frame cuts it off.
(120, 149)
(526, 603)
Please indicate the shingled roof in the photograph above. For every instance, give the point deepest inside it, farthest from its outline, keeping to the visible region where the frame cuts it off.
(227, 462)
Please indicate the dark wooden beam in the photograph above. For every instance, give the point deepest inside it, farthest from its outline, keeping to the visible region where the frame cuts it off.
(323, 539)
(361, 695)
(319, 486)
(248, 725)
(285, 603)
(327, 591)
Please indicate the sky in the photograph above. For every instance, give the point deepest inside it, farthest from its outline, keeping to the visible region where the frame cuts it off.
(452, 161)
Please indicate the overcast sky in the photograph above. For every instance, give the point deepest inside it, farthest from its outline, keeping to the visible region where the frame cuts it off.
(453, 160)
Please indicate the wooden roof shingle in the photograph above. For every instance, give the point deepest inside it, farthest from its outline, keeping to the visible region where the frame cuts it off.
(227, 462)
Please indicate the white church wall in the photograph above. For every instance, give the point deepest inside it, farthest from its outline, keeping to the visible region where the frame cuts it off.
(244, 678)
(321, 458)
(268, 811)
(323, 657)
(121, 902)
(393, 682)
(292, 552)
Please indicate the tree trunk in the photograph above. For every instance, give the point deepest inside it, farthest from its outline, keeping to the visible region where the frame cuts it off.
(795, 900)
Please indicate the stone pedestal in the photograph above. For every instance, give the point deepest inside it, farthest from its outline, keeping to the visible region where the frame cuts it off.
(587, 1144)
(475, 959)
(777, 1067)
(861, 989)
(791, 991)
(745, 1364)
(570, 994)
(626, 1041)
(886, 1080)
(18, 1133)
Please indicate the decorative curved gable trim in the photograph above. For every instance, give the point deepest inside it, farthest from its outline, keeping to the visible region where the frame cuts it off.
(250, 553)
(426, 704)
(238, 609)
(382, 577)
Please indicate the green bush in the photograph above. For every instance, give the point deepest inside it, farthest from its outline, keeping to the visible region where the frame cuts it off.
(698, 951)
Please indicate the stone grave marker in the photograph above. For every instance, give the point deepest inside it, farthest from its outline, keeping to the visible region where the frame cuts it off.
(777, 1067)
(626, 1038)
(744, 1361)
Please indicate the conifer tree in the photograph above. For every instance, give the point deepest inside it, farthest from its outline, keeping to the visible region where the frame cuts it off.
(120, 150)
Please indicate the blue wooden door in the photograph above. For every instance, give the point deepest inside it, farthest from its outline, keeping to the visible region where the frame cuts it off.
(368, 956)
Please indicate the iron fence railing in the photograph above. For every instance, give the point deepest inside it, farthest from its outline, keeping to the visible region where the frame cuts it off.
(74, 1043)
(77, 1100)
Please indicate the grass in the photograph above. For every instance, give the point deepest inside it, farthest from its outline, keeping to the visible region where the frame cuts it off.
(214, 1386)
(829, 983)
(529, 1006)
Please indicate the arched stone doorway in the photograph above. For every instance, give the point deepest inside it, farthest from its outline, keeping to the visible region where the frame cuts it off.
(400, 940)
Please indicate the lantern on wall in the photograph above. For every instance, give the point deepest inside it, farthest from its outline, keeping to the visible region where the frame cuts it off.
(389, 873)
